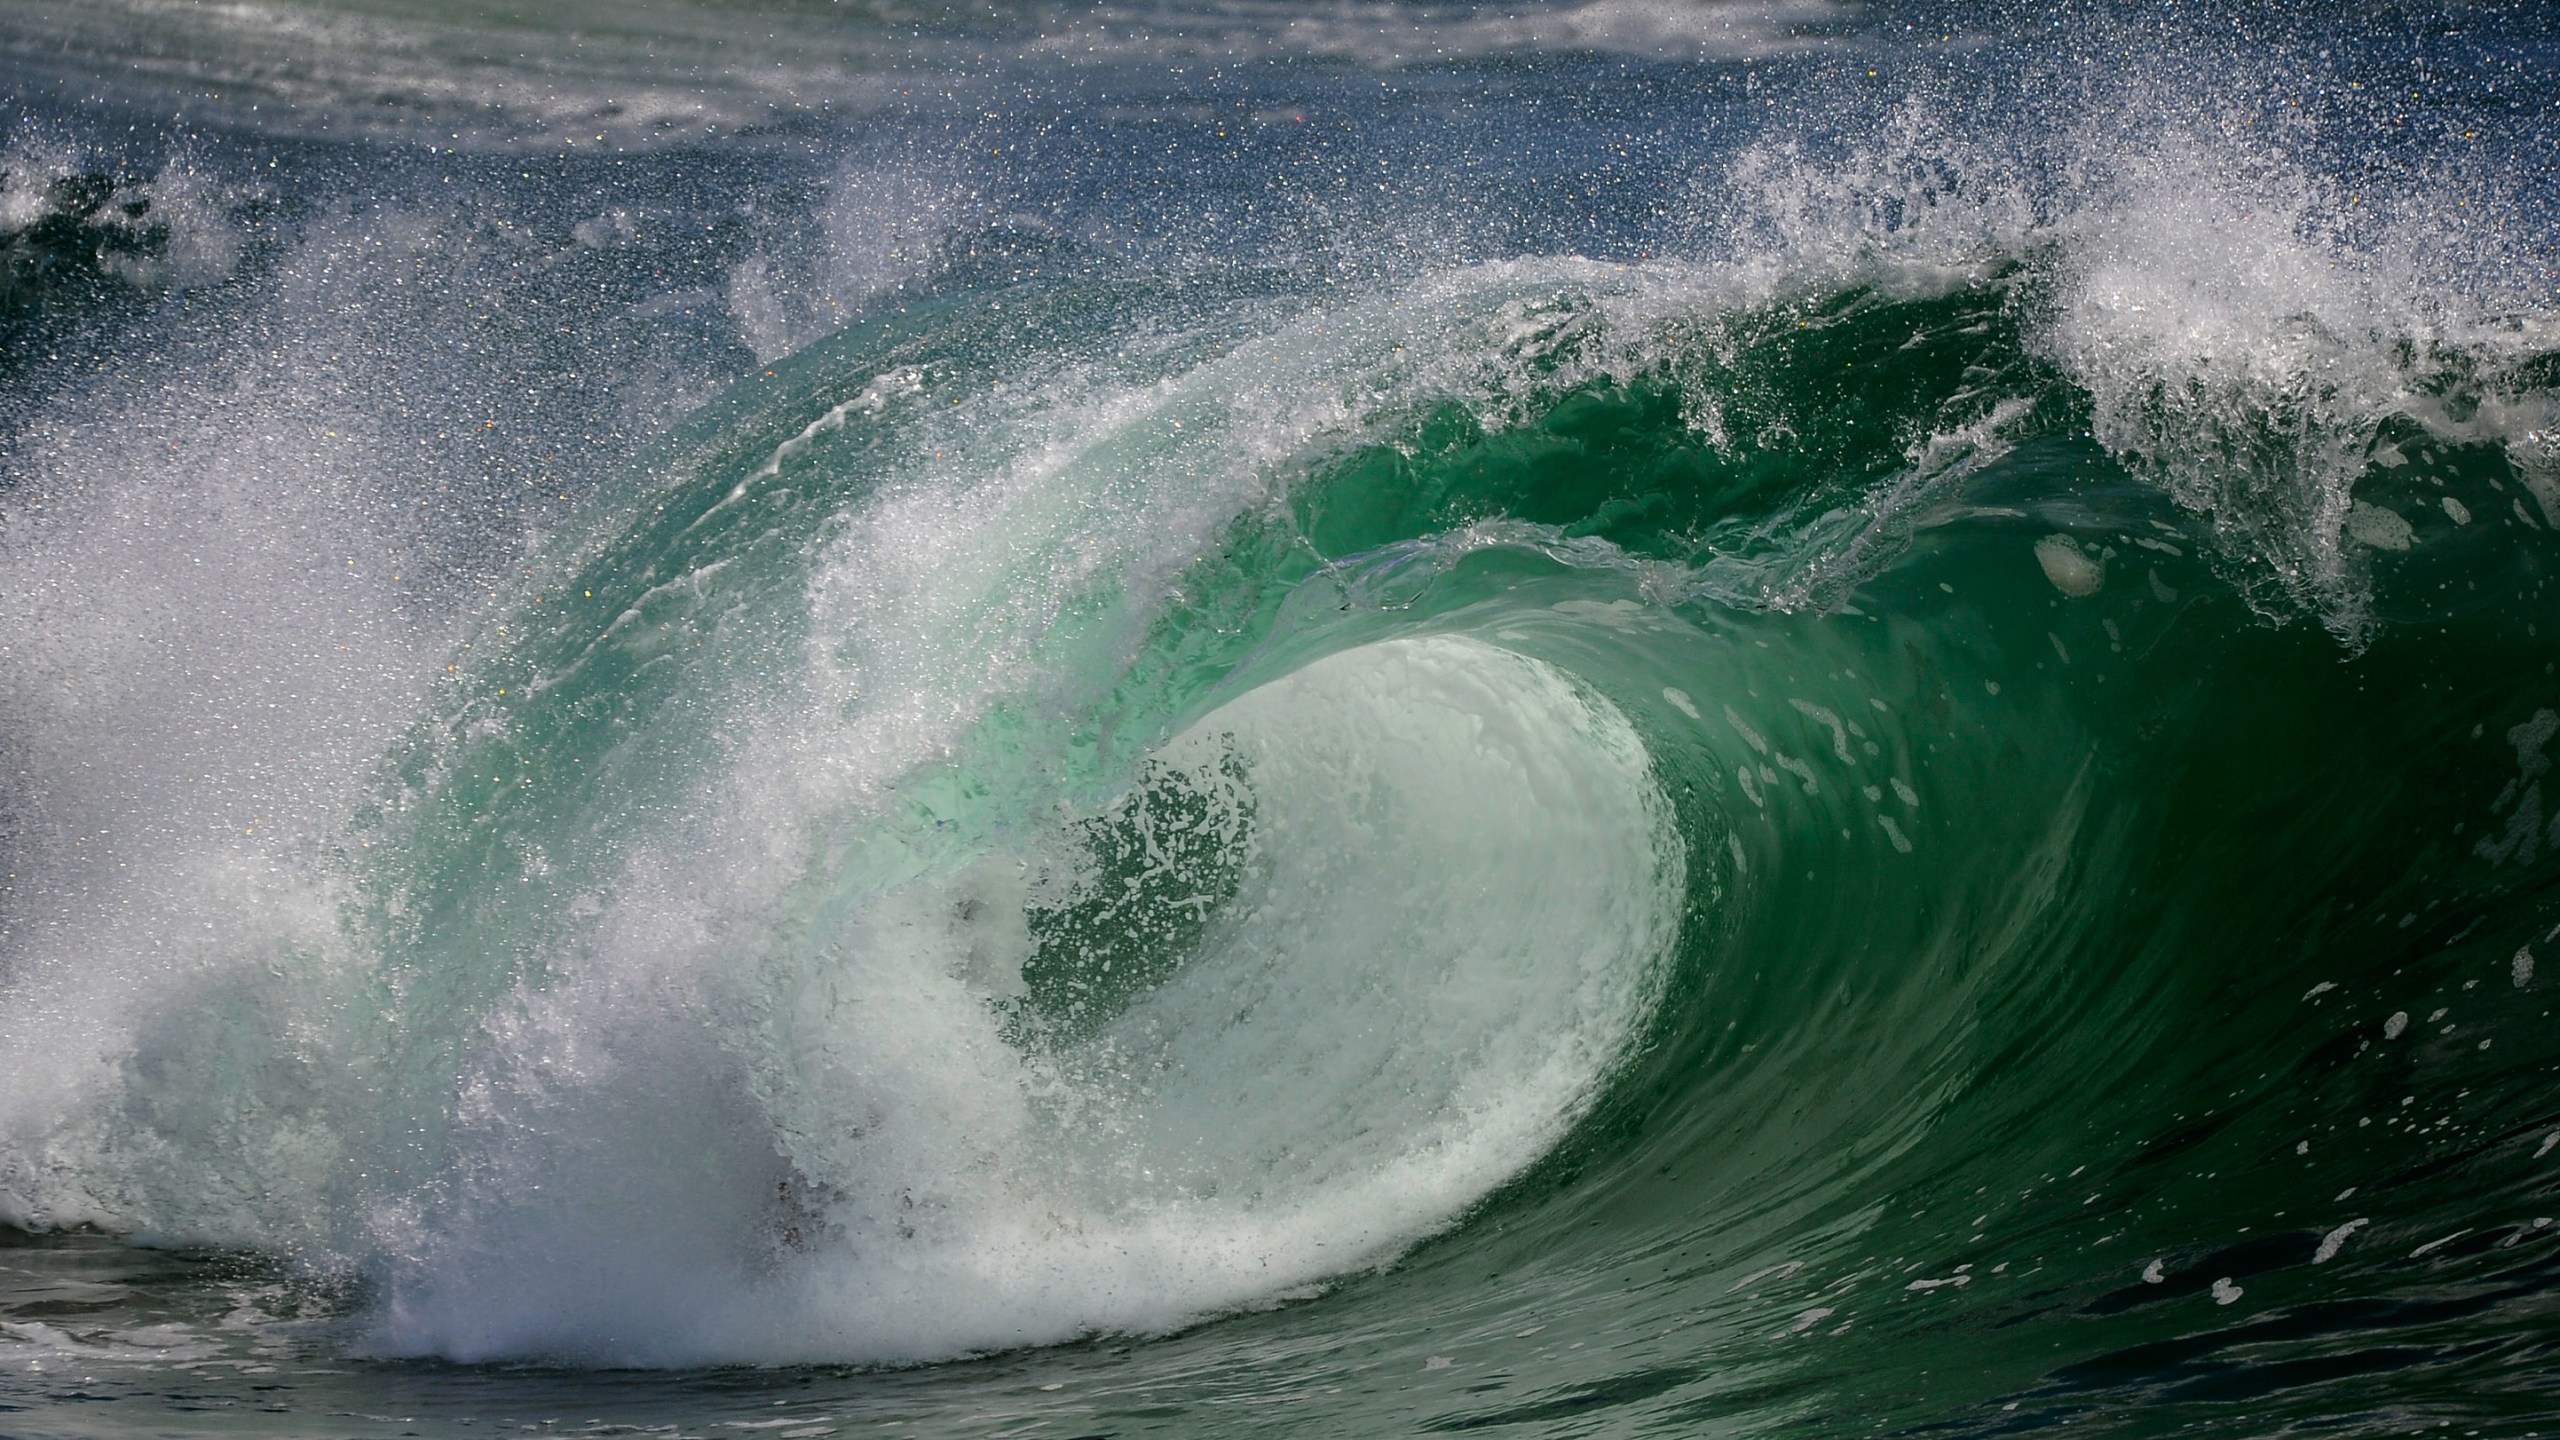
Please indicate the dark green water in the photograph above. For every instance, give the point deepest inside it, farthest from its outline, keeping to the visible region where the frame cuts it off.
(1922, 812)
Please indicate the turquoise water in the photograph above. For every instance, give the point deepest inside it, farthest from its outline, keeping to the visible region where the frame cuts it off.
(1696, 724)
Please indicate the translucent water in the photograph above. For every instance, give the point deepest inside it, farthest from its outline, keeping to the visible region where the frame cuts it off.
(1623, 719)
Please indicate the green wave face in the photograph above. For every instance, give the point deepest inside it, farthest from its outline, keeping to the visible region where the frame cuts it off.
(1564, 841)
(1665, 848)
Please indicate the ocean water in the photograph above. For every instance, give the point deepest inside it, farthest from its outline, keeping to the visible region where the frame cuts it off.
(1641, 718)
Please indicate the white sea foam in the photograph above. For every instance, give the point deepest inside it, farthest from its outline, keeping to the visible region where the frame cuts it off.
(1462, 889)
(940, 1190)
(2242, 323)
(204, 641)
(232, 573)
(638, 71)
(753, 1098)
(621, 74)
(1397, 34)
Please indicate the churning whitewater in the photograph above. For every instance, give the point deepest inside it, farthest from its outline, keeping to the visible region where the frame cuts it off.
(1620, 719)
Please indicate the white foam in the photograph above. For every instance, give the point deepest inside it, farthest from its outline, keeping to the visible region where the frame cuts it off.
(197, 238)
(1397, 34)
(882, 226)
(944, 1191)
(205, 640)
(1462, 889)
(2073, 571)
(570, 75)
(2335, 1241)
(2242, 325)
(757, 1105)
